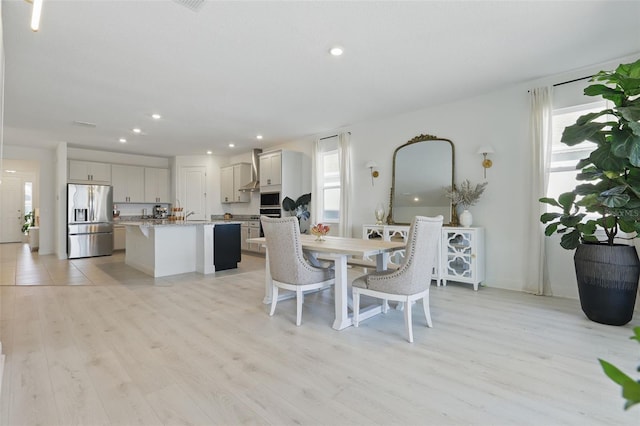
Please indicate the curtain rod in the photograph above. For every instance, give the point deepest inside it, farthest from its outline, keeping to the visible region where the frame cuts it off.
(572, 81)
(329, 137)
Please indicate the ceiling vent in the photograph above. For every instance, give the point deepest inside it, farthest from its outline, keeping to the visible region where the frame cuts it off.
(84, 124)
(194, 5)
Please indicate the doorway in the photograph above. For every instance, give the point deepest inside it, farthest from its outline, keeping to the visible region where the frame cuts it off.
(15, 174)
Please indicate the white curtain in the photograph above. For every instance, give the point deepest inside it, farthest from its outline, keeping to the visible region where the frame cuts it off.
(316, 189)
(540, 142)
(344, 156)
(342, 143)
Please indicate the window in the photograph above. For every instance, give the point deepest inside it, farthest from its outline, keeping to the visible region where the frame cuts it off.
(28, 197)
(330, 186)
(562, 171)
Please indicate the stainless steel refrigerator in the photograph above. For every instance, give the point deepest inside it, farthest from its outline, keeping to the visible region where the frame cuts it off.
(89, 220)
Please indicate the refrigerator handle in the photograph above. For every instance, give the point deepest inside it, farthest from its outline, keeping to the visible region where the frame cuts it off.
(91, 201)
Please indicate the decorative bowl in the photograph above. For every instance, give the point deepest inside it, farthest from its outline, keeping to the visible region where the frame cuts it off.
(320, 231)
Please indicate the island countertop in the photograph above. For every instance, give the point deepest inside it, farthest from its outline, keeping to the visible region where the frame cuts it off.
(157, 223)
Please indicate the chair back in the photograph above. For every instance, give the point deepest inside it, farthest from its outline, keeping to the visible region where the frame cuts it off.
(420, 255)
(286, 259)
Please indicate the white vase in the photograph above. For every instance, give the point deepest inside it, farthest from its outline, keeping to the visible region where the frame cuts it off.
(379, 213)
(466, 219)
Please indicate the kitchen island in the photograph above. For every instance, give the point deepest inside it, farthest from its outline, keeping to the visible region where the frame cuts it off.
(162, 247)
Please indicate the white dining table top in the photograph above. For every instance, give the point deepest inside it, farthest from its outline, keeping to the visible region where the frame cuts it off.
(343, 245)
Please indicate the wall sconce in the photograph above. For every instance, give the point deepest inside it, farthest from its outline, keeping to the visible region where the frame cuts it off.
(372, 166)
(486, 163)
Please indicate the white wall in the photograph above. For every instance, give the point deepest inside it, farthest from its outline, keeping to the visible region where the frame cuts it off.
(47, 190)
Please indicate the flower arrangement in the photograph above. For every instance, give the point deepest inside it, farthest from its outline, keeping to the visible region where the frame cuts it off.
(466, 194)
(320, 231)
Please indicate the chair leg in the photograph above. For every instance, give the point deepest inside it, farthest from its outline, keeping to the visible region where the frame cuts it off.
(385, 306)
(427, 310)
(407, 320)
(356, 307)
(274, 299)
(299, 300)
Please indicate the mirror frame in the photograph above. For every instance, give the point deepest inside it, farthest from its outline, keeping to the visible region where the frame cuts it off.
(417, 139)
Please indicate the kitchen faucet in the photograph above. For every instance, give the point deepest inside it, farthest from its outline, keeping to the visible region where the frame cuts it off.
(189, 214)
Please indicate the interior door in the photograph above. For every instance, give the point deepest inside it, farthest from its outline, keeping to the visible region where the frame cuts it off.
(194, 192)
(11, 215)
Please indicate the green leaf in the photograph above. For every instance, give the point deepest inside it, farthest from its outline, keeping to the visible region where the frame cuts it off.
(614, 200)
(551, 228)
(303, 200)
(635, 128)
(548, 217)
(575, 134)
(288, 204)
(566, 200)
(630, 113)
(583, 163)
(571, 240)
(604, 159)
(589, 173)
(606, 92)
(549, 201)
(626, 225)
(614, 373)
(588, 228)
(571, 221)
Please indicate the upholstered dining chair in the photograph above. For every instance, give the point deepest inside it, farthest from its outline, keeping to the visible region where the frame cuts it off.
(289, 268)
(411, 281)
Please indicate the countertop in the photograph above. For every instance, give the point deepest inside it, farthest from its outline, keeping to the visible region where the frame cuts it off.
(156, 223)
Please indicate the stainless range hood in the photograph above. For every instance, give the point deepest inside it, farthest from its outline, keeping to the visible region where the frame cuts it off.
(254, 185)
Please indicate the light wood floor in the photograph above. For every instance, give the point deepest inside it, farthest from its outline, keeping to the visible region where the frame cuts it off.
(92, 342)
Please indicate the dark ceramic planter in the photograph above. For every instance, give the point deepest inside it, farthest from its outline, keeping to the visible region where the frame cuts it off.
(607, 282)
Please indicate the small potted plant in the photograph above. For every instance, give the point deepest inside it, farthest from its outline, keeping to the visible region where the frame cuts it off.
(299, 209)
(607, 202)
(465, 195)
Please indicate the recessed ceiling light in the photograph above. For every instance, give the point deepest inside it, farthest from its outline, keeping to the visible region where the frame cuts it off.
(232, 145)
(259, 137)
(209, 152)
(10, 171)
(137, 130)
(156, 116)
(122, 140)
(336, 51)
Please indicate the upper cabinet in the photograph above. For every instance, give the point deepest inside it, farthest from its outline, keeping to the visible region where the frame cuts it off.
(232, 178)
(89, 172)
(270, 169)
(128, 184)
(277, 167)
(156, 185)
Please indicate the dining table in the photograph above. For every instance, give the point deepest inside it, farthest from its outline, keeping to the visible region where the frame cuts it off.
(339, 250)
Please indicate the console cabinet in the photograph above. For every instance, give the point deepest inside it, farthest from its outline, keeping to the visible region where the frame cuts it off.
(460, 253)
(463, 255)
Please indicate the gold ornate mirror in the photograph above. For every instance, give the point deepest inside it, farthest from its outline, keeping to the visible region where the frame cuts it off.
(422, 167)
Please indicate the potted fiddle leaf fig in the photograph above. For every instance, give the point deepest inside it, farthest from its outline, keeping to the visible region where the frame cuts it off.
(607, 201)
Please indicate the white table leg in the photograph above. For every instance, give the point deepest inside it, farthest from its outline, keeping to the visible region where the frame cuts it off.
(341, 294)
(267, 280)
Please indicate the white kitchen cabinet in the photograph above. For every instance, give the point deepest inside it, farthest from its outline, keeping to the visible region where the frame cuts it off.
(119, 237)
(232, 178)
(250, 229)
(156, 185)
(270, 169)
(463, 255)
(89, 172)
(128, 183)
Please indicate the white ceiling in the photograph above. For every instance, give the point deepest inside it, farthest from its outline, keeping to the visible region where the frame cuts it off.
(236, 69)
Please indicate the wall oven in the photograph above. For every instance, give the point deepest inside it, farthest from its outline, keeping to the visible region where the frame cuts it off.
(270, 206)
